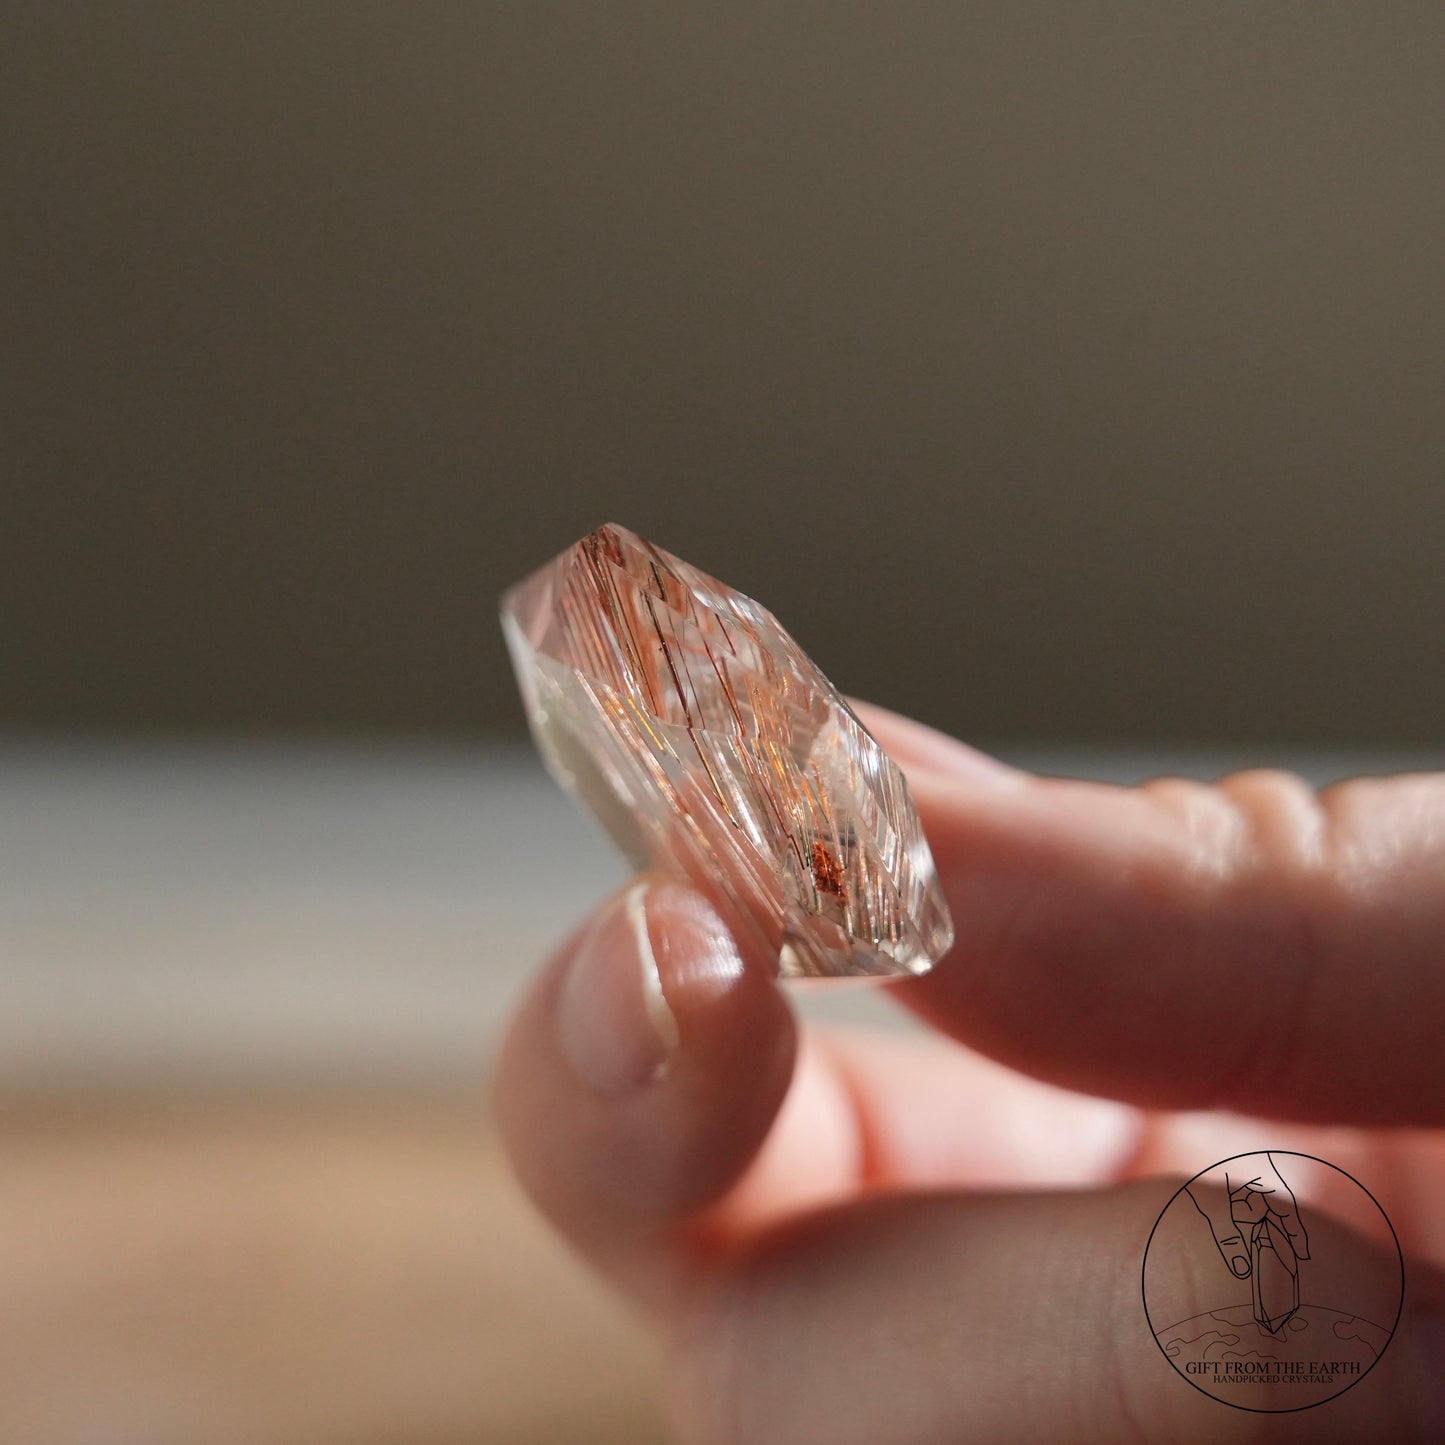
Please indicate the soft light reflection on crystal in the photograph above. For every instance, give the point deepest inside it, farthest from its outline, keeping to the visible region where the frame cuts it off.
(708, 744)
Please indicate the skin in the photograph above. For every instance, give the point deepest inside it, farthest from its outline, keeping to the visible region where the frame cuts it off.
(848, 1237)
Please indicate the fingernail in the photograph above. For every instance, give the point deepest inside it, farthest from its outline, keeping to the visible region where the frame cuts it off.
(615, 1023)
(916, 747)
(1240, 1265)
(924, 776)
(934, 753)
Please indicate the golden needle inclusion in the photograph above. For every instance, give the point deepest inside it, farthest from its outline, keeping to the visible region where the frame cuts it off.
(709, 744)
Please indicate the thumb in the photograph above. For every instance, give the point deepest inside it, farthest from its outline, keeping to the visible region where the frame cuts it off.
(1213, 1204)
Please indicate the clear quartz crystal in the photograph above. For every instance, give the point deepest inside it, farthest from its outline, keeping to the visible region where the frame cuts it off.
(710, 745)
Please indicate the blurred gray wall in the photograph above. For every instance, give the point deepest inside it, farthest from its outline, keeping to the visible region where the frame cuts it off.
(1053, 370)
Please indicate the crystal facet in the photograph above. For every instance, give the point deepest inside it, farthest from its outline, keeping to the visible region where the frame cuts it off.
(708, 743)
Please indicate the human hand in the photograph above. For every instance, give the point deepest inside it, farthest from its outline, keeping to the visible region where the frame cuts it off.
(859, 1238)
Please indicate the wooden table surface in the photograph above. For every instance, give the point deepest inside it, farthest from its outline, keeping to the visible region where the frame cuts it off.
(249, 1190)
(303, 1271)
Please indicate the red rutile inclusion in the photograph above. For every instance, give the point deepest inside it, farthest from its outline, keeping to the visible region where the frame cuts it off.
(710, 745)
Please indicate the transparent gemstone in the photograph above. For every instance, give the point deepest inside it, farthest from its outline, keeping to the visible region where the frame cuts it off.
(709, 744)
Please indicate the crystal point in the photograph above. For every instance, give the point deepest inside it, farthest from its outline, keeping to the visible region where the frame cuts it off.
(709, 744)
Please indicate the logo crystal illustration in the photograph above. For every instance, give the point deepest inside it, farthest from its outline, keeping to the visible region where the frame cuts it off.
(1275, 1283)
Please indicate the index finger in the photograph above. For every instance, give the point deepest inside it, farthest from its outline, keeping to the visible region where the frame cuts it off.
(1251, 945)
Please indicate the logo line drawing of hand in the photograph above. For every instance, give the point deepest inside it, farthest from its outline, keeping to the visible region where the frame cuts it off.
(1252, 1214)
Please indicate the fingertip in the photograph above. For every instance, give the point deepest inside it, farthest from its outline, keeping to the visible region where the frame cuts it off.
(697, 961)
(722, 993)
(642, 1072)
(916, 747)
